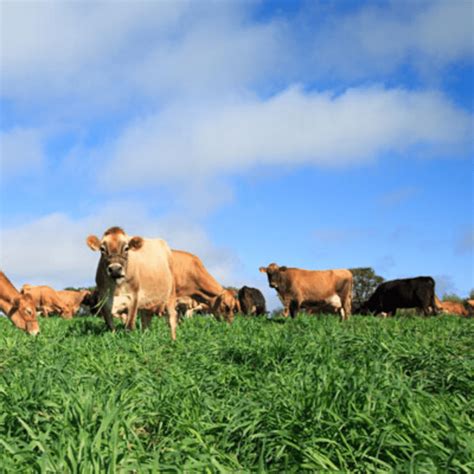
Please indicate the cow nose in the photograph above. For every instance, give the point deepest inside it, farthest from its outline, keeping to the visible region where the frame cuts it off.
(33, 332)
(115, 270)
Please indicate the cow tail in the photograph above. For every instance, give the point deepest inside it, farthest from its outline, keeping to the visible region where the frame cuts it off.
(349, 298)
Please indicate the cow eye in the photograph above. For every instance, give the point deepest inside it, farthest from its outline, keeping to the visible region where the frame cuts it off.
(125, 249)
(102, 248)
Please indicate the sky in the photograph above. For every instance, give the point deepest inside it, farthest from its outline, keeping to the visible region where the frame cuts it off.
(314, 134)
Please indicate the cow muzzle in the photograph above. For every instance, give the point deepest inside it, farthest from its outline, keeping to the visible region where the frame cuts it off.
(32, 329)
(115, 271)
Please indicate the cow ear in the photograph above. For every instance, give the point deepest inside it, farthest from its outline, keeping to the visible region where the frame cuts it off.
(135, 243)
(262, 269)
(93, 242)
(283, 269)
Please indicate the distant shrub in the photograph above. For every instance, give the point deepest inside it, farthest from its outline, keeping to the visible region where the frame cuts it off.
(452, 297)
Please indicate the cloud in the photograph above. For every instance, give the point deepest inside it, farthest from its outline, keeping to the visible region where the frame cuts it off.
(379, 39)
(465, 243)
(52, 249)
(122, 54)
(444, 284)
(398, 196)
(20, 149)
(291, 128)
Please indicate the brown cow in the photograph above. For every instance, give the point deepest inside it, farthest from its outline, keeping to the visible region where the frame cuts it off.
(451, 307)
(193, 280)
(297, 288)
(137, 272)
(20, 309)
(73, 299)
(47, 300)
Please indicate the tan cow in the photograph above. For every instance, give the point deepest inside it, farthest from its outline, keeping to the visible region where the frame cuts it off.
(193, 280)
(47, 300)
(297, 288)
(20, 309)
(73, 299)
(139, 273)
(451, 307)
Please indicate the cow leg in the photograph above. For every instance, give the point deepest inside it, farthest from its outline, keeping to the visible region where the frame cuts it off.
(145, 317)
(294, 308)
(109, 320)
(345, 294)
(172, 320)
(132, 316)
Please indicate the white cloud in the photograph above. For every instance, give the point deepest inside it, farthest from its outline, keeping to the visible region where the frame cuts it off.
(427, 35)
(465, 243)
(398, 196)
(291, 128)
(20, 149)
(52, 249)
(120, 53)
(444, 284)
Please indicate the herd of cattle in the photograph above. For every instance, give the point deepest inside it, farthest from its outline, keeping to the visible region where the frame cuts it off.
(136, 274)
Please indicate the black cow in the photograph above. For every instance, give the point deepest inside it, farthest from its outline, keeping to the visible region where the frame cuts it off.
(416, 292)
(251, 301)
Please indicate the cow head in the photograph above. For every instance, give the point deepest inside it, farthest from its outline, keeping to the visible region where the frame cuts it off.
(23, 314)
(114, 247)
(226, 305)
(274, 274)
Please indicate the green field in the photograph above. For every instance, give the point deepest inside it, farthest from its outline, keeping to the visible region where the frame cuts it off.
(370, 395)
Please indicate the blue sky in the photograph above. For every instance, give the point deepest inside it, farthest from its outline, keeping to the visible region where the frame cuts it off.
(315, 134)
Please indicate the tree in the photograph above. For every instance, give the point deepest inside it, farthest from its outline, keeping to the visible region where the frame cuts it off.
(452, 297)
(471, 294)
(365, 281)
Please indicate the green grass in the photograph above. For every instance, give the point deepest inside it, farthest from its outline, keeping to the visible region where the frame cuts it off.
(370, 395)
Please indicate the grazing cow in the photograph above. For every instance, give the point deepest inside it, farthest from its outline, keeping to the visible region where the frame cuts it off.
(73, 299)
(252, 301)
(297, 288)
(452, 307)
(136, 272)
(187, 306)
(20, 309)
(193, 280)
(391, 295)
(47, 300)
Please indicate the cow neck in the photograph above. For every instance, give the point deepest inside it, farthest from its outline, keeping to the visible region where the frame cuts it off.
(8, 292)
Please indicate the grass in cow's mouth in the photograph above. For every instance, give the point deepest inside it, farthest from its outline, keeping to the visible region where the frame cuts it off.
(305, 395)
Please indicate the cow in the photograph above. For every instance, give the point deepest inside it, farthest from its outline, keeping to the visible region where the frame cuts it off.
(252, 301)
(297, 288)
(136, 271)
(73, 299)
(193, 280)
(418, 292)
(187, 306)
(19, 309)
(451, 307)
(47, 300)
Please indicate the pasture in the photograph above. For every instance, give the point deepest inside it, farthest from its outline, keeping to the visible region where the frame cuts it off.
(263, 396)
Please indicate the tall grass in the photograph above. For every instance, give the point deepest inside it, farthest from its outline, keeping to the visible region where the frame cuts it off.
(311, 394)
